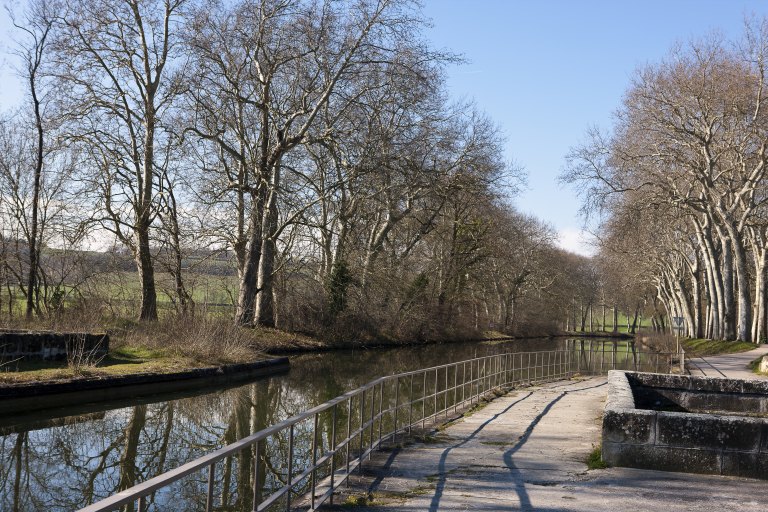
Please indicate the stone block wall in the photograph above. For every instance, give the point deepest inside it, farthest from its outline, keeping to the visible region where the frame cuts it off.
(683, 441)
(47, 345)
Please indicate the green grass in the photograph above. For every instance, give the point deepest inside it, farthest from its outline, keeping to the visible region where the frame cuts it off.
(597, 319)
(755, 366)
(703, 347)
(123, 288)
(493, 337)
(124, 360)
(595, 459)
(134, 353)
(622, 321)
(166, 346)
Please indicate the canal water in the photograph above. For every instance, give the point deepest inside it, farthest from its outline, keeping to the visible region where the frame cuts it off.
(67, 458)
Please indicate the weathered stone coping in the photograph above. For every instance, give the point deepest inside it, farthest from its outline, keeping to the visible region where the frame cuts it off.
(26, 397)
(698, 442)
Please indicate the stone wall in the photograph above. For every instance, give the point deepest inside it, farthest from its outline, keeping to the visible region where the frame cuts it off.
(47, 345)
(698, 442)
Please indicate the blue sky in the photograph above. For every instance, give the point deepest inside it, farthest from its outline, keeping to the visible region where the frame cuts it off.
(544, 71)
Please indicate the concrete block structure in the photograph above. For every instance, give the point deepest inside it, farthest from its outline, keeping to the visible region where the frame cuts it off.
(687, 424)
(48, 345)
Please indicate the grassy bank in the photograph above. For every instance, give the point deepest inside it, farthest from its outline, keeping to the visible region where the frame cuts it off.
(703, 347)
(175, 344)
(121, 361)
(755, 367)
(168, 346)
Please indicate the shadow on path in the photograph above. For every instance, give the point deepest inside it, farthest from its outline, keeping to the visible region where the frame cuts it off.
(440, 486)
(525, 503)
(522, 494)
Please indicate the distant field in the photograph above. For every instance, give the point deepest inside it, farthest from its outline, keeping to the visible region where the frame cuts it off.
(608, 327)
(122, 289)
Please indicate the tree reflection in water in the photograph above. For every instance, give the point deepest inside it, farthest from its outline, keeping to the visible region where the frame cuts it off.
(77, 461)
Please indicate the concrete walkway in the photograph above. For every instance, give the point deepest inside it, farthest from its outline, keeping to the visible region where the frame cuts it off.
(527, 451)
(732, 366)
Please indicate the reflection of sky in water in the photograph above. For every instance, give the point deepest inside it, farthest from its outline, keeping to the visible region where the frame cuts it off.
(95, 455)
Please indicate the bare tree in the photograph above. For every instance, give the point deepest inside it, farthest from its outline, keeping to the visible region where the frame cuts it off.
(116, 60)
(36, 26)
(276, 66)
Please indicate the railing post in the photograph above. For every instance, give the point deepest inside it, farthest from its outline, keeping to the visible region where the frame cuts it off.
(682, 360)
(435, 398)
(333, 450)
(455, 387)
(471, 382)
(349, 436)
(445, 394)
(256, 477)
(211, 482)
(381, 408)
(362, 430)
(373, 421)
(528, 370)
(289, 481)
(313, 478)
(397, 406)
(424, 401)
(463, 382)
(410, 406)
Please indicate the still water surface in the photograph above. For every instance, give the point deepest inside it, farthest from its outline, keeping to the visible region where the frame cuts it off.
(65, 459)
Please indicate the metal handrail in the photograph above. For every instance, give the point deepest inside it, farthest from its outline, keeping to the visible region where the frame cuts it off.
(409, 404)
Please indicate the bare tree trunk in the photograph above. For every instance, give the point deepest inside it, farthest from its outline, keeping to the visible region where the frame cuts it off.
(698, 308)
(603, 328)
(714, 282)
(265, 307)
(34, 249)
(39, 24)
(147, 274)
(246, 299)
(729, 317)
(761, 297)
(744, 332)
(633, 329)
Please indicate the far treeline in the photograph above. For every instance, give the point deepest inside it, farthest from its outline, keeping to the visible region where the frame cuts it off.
(298, 160)
(678, 187)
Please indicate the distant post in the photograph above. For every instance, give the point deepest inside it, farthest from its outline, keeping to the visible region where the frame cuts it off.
(677, 325)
